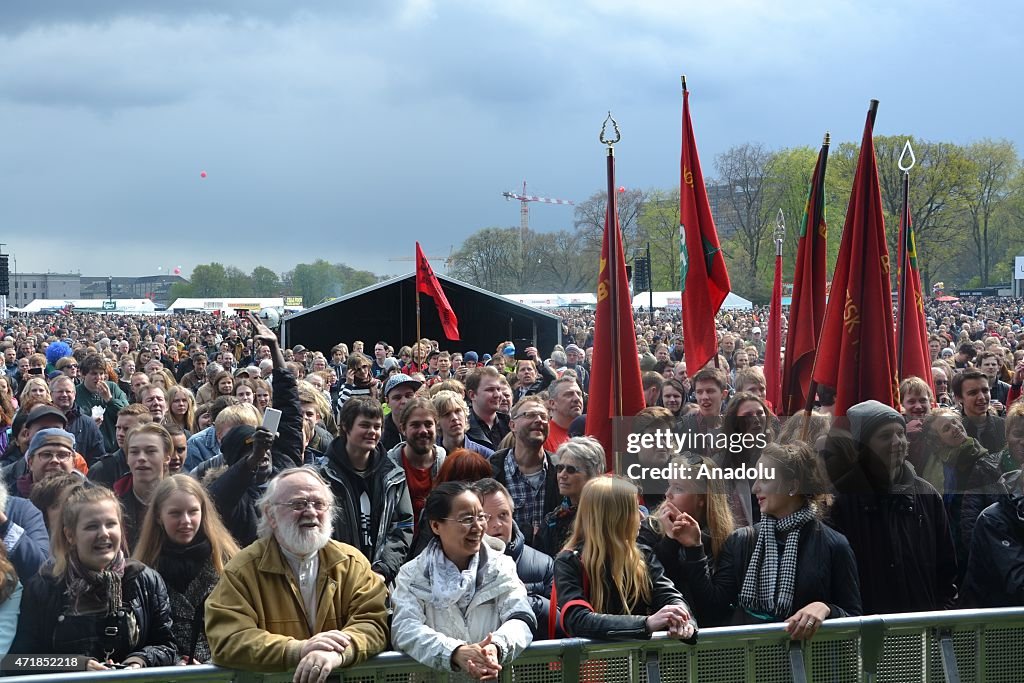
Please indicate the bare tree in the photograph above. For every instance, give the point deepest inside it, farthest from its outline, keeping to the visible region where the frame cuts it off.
(744, 173)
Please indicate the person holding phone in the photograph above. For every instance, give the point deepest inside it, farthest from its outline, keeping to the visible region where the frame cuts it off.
(254, 455)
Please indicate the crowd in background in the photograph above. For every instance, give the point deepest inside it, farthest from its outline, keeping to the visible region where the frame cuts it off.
(182, 489)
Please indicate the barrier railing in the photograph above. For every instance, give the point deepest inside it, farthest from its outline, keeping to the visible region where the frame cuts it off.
(985, 646)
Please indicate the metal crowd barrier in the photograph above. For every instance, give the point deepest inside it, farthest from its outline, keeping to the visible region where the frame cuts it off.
(985, 646)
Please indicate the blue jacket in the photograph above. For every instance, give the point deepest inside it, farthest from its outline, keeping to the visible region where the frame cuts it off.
(201, 447)
(24, 535)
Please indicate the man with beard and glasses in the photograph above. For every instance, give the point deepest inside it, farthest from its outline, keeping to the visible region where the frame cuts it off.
(295, 599)
(526, 469)
(418, 455)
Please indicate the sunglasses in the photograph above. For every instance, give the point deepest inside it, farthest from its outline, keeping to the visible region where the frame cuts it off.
(568, 469)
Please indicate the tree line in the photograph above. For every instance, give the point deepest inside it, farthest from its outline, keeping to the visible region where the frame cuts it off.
(314, 282)
(967, 206)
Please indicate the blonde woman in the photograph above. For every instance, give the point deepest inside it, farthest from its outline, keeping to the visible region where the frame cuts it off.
(181, 409)
(184, 540)
(92, 600)
(607, 587)
(35, 389)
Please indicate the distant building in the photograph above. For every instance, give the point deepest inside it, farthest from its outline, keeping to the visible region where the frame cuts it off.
(157, 288)
(27, 287)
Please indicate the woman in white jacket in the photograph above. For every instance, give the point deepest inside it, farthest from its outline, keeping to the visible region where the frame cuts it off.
(459, 605)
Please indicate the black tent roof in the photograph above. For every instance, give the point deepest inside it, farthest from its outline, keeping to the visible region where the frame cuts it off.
(387, 311)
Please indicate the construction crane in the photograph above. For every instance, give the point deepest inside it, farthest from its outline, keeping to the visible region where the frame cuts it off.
(524, 207)
(447, 259)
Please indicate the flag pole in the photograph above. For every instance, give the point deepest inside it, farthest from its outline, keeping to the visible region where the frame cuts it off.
(901, 331)
(714, 357)
(418, 335)
(613, 259)
(813, 388)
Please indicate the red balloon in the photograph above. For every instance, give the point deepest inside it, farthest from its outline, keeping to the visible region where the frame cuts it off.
(622, 188)
(202, 174)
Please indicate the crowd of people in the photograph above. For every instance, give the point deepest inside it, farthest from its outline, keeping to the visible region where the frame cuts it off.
(181, 489)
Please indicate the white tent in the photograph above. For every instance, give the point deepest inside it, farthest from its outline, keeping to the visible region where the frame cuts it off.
(228, 305)
(581, 299)
(673, 301)
(133, 306)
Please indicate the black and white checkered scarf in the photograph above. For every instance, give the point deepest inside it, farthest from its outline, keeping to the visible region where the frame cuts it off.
(769, 584)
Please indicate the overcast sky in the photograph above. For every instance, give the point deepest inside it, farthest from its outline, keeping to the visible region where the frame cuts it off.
(347, 130)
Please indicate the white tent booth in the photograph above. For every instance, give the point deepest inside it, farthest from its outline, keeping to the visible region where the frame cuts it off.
(579, 300)
(672, 301)
(116, 306)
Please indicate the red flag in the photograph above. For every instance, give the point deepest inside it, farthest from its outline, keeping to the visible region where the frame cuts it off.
(773, 345)
(912, 332)
(703, 280)
(610, 357)
(857, 352)
(426, 282)
(807, 305)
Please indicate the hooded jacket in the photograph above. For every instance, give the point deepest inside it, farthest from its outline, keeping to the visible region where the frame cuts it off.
(499, 606)
(995, 569)
(391, 521)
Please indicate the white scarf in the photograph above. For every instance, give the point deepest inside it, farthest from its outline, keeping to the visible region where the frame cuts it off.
(448, 585)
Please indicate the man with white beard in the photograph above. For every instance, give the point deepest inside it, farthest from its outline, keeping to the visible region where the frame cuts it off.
(295, 598)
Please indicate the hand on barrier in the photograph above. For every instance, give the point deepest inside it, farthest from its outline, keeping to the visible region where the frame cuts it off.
(805, 622)
(479, 660)
(317, 665)
(672, 618)
(328, 641)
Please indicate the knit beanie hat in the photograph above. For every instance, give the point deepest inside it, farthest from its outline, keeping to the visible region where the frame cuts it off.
(867, 417)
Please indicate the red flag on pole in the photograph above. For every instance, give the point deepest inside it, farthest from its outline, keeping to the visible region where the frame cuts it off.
(426, 282)
(807, 305)
(703, 280)
(615, 386)
(857, 352)
(912, 331)
(773, 345)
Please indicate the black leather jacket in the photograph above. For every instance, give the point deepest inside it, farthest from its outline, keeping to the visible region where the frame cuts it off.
(536, 571)
(613, 623)
(144, 595)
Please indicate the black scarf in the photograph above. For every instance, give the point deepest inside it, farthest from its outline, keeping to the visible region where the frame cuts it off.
(179, 564)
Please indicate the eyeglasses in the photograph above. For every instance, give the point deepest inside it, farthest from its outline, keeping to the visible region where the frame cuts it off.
(532, 415)
(300, 504)
(568, 469)
(60, 456)
(469, 520)
(71, 365)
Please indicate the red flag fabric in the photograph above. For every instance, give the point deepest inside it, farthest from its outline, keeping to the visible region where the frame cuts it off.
(857, 352)
(807, 305)
(609, 357)
(773, 345)
(912, 328)
(426, 283)
(703, 279)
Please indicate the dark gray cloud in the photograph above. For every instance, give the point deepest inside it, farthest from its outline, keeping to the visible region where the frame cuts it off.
(349, 130)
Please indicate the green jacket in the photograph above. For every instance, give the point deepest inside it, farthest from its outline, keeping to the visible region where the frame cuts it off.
(85, 400)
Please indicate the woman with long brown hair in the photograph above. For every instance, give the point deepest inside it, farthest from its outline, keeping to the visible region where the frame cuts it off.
(607, 586)
(790, 566)
(184, 540)
(10, 601)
